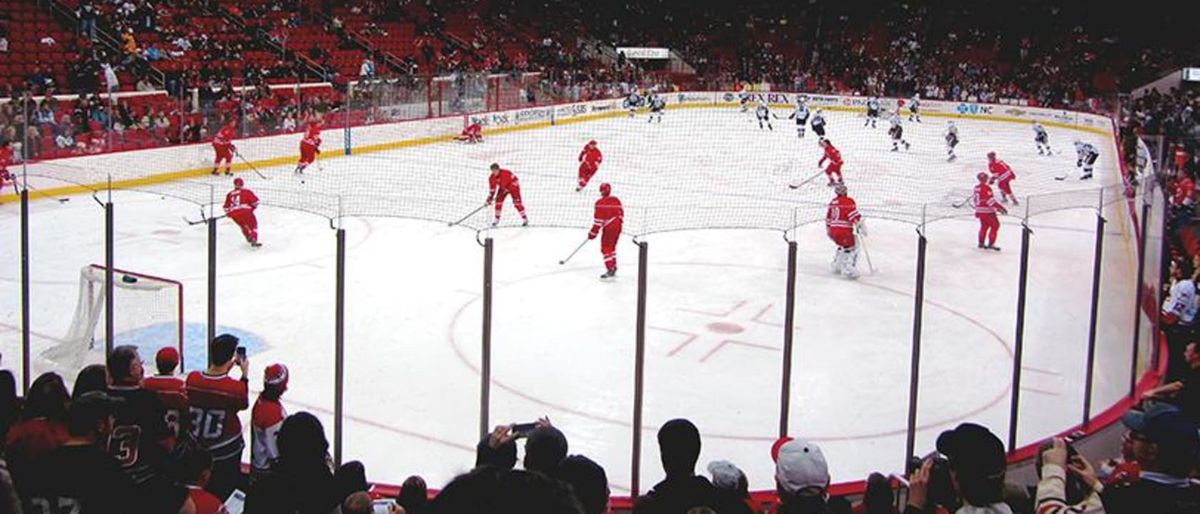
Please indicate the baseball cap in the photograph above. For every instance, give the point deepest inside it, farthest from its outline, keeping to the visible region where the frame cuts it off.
(725, 475)
(276, 375)
(1165, 426)
(800, 464)
(167, 357)
(973, 450)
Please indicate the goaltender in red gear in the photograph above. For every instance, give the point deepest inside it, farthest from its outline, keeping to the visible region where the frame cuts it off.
(310, 147)
(589, 163)
(840, 220)
(222, 145)
(986, 208)
(1002, 176)
(472, 134)
(607, 223)
(239, 207)
(835, 162)
(501, 184)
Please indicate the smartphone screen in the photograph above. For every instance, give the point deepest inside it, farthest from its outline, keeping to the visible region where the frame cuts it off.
(523, 429)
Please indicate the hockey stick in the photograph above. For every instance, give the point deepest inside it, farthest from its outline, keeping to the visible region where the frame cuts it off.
(866, 252)
(469, 214)
(1063, 176)
(61, 199)
(959, 205)
(575, 251)
(252, 168)
(807, 180)
(201, 220)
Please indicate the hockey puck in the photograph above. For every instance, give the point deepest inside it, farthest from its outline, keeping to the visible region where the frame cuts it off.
(128, 279)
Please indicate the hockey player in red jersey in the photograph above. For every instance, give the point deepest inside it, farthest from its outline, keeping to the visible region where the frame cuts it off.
(310, 147)
(841, 220)
(265, 420)
(239, 207)
(216, 398)
(607, 223)
(472, 134)
(835, 162)
(1002, 176)
(986, 208)
(6, 155)
(223, 146)
(501, 184)
(589, 162)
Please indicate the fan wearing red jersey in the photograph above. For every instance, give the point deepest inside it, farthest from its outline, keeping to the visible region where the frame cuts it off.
(239, 207)
(310, 147)
(841, 220)
(835, 162)
(265, 420)
(472, 134)
(216, 398)
(223, 146)
(502, 184)
(986, 208)
(6, 155)
(171, 390)
(1002, 176)
(589, 163)
(607, 224)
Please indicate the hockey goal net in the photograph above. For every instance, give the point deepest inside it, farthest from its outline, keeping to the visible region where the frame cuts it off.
(147, 313)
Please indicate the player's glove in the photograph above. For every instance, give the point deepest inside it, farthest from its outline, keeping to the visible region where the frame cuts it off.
(591, 236)
(1079, 163)
(862, 228)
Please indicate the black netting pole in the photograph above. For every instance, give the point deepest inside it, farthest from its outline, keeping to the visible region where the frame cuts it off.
(789, 324)
(109, 307)
(485, 359)
(1141, 292)
(339, 344)
(914, 377)
(25, 301)
(1097, 257)
(639, 369)
(212, 285)
(1019, 337)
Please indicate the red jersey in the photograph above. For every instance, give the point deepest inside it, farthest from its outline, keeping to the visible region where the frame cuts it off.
(832, 154)
(172, 391)
(842, 213)
(224, 138)
(1001, 171)
(1185, 191)
(503, 181)
(312, 139)
(215, 402)
(265, 421)
(591, 155)
(240, 200)
(473, 129)
(6, 155)
(609, 215)
(985, 202)
(205, 502)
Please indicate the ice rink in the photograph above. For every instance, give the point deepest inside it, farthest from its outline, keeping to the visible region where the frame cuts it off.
(707, 190)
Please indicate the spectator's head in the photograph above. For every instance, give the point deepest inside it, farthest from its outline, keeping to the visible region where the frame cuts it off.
(878, 498)
(1191, 354)
(275, 381)
(357, 503)
(195, 466)
(977, 463)
(125, 366)
(679, 447)
(588, 480)
(727, 476)
(47, 398)
(801, 477)
(351, 478)
(91, 378)
(91, 415)
(301, 439)
(489, 489)
(166, 360)
(1163, 439)
(414, 495)
(545, 449)
(221, 352)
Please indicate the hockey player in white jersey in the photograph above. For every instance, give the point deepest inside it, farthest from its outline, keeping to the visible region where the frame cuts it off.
(818, 124)
(897, 132)
(914, 108)
(800, 115)
(763, 113)
(872, 111)
(632, 102)
(1041, 138)
(744, 99)
(951, 140)
(1087, 158)
(657, 104)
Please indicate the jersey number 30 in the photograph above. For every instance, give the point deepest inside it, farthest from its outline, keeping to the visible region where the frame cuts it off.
(207, 424)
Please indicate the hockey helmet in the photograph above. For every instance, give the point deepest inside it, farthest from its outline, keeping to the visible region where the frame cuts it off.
(840, 189)
(238, 182)
(494, 167)
(991, 156)
(592, 143)
(605, 189)
(983, 177)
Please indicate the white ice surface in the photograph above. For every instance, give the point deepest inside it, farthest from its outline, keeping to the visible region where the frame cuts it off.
(563, 342)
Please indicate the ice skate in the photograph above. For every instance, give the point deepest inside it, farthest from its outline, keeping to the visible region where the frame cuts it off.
(525, 222)
(1085, 176)
(612, 273)
(993, 248)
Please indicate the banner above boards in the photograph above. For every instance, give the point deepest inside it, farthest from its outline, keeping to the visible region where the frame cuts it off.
(637, 52)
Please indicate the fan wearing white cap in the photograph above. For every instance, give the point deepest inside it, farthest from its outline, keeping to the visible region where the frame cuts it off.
(801, 477)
